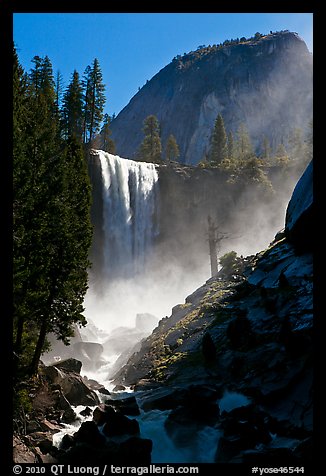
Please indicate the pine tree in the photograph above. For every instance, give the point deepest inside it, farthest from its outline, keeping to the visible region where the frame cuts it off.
(219, 150)
(151, 148)
(243, 145)
(94, 100)
(230, 145)
(172, 148)
(58, 89)
(72, 108)
(266, 149)
(51, 218)
(108, 143)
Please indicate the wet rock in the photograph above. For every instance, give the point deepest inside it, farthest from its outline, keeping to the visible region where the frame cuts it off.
(136, 451)
(67, 442)
(120, 425)
(86, 412)
(239, 332)
(126, 406)
(70, 365)
(89, 433)
(73, 386)
(299, 213)
(243, 428)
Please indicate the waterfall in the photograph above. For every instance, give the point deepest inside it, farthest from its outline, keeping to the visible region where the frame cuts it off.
(129, 214)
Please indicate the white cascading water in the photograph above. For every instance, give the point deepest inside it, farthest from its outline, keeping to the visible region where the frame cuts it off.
(129, 207)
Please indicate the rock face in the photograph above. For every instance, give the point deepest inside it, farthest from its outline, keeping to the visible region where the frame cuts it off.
(299, 214)
(265, 83)
(260, 348)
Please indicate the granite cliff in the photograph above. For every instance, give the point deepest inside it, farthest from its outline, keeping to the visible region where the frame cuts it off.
(265, 83)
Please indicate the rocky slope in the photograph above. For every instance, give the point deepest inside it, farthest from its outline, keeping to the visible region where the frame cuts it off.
(265, 83)
(248, 334)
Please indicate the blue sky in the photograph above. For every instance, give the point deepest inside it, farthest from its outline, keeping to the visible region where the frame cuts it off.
(133, 47)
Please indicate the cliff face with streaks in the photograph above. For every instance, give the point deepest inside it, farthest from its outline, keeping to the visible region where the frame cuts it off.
(264, 83)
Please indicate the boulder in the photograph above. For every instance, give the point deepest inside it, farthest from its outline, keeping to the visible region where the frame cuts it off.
(73, 386)
(22, 453)
(136, 450)
(120, 425)
(299, 213)
(126, 406)
(70, 365)
(90, 434)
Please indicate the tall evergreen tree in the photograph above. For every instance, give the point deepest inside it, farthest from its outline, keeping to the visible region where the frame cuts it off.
(72, 108)
(94, 100)
(51, 218)
(243, 145)
(151, 148)
(230, 145)
(108, 144)
(58, 89)
(172, 149)
(219, 150)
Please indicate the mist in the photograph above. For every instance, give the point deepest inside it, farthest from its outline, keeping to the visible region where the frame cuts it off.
(175, 261)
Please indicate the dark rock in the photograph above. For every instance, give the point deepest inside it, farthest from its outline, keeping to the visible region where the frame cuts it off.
(208, 348)
(86, 412)
(70, 365)
(67, 442)
(239, 332)
(299, 213)
(120, 425)
(136, 451)
(119, 388)
(164, 399)
(102, 413)
(86, 453)
(126, 406)
(243, 428)
(89, 433)
(73, 386)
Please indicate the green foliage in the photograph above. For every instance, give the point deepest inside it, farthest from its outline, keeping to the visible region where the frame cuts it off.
(51, 218)
(108, 143)
(94, 100)
(151, 148)
(172, 148)
(72, 109)
(219, 148)
(228, 260)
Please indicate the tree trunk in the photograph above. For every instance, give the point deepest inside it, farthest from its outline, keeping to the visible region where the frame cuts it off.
(38, 348)
(212, 246)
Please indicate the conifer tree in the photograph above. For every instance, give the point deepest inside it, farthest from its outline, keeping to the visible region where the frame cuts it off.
(51, 218)
(172, 148)
(94, 100)
(230, 145)
(219, 150)
(243, 145)
(108, 143)
(151, 148)
(72, 108)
